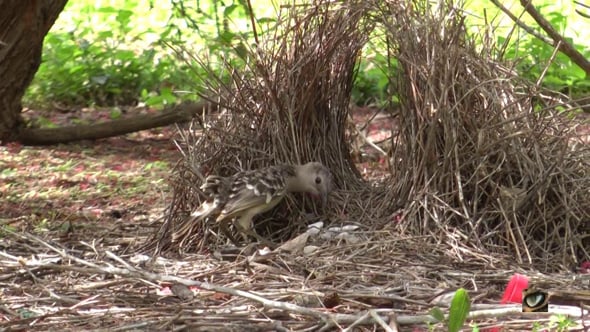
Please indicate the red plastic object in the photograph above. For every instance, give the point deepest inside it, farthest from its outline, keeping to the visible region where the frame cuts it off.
(513, 292)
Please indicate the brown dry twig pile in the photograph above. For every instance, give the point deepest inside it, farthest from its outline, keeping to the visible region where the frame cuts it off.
(485, 159)
(290, 106)
(77, 285)
(482, 163)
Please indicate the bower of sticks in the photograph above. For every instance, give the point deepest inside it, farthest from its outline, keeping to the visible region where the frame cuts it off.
(480, 162)
(486, 176)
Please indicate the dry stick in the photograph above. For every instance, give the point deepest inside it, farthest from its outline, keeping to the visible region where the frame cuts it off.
(521, 236)
(579, 11)
(328, 318)
(169, 322)
(135, 326)
(509, 224)
(136, 273)
(551, 59)
(357, 322)
(393, 322)
(37, 281)
(253, 21)
(380, 321)
(458, 175)
(369, 142)
(86, 301)
(183, 135)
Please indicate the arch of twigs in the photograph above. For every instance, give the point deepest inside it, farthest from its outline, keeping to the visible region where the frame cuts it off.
(482, 162)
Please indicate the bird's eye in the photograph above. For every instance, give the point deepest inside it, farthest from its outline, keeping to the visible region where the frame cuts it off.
(318, 180)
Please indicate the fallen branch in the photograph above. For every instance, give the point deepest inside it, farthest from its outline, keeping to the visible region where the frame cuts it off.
(47, 136)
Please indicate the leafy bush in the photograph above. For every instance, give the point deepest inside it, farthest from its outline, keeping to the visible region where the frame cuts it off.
(120, 55)
(98, 65)
(372, 80)
(532, 56)
(374, 72)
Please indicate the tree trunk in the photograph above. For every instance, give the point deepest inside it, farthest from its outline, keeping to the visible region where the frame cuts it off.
(23, 25)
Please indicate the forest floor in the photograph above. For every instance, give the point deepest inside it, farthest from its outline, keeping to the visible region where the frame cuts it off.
(81, 207)
(124, 177)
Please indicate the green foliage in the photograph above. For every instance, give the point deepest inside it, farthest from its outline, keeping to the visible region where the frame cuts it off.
(533, 55)
(558, 322)
(44, 122)
(99, 65)
(437, 314)
(561, 322)
(142, 51)
(460, 305)
(530, 54)
(6, 230)
(115, 113)
(373, 82)
(124, 52)
(372, 79)
(158, 165)
(459, 310)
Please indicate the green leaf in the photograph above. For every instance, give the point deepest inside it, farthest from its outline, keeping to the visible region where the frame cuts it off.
(105, 34)
(459, 310)
(229, 9)
(266, 20)
(115, 113)
(154, 101)
(167, 95)
(242, 51)
(7, 172)
(576, 72)
(76, 69)
(105, 10)
(437, 314)
(227, 36)
(124, 55)
(24, 314)
(123, 16)
(99, 79)
(45, 122)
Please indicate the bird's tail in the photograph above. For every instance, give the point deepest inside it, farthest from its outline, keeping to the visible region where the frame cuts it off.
(188, 227)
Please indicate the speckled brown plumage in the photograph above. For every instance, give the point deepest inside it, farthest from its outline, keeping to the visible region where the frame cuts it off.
(248, 193)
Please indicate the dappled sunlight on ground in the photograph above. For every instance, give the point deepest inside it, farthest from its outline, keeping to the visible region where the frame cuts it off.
(116, 178)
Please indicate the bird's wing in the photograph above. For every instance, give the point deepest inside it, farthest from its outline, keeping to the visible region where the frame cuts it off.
(216, 190)
(216, 187)
(252, 189)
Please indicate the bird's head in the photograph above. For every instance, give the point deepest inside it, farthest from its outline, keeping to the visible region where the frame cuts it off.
(315, 179)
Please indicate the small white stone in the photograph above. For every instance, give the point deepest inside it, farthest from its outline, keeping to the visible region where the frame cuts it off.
(349, 228)
(350, 239)
(308, 250)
